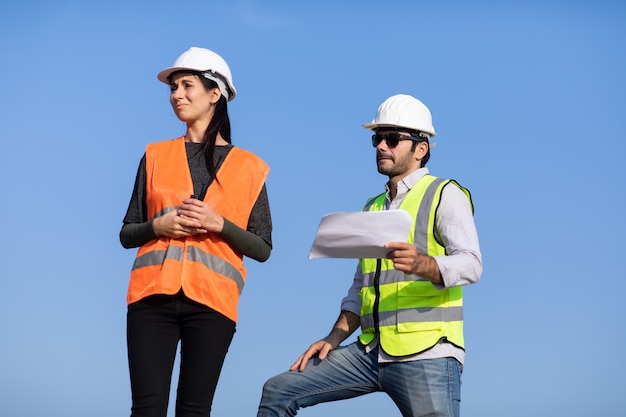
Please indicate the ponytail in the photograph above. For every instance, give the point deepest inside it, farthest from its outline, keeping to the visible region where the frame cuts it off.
(220, 123)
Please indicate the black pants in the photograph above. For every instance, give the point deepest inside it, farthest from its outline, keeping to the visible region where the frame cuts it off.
(154, 327)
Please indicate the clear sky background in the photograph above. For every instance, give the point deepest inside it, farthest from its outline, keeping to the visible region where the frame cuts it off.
(528, 100)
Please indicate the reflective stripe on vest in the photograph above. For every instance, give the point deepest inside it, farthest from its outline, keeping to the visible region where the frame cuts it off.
(207, 269)
(406, 311)
(157, 257)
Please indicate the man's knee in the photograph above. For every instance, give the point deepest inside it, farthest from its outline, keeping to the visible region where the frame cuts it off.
(278, 385)
(277, 395)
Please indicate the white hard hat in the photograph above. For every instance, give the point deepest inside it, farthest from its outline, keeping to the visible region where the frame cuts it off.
(207, 62)
(403, 111)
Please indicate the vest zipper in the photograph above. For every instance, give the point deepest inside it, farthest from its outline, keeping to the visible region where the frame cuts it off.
(377, 298)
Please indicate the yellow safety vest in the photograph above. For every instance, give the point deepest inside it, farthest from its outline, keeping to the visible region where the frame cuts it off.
(407, 312)
(205, 266)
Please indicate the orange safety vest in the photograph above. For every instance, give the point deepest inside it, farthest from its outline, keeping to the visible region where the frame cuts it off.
(207, 268)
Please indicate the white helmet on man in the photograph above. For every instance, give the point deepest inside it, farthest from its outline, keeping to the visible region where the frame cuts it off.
(403, 111)
(207, 62)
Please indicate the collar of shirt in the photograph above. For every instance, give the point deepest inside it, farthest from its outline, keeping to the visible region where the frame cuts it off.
(404, 186)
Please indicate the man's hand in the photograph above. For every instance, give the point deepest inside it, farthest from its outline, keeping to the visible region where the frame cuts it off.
(345, 325)
(406, 259)
(318, 349)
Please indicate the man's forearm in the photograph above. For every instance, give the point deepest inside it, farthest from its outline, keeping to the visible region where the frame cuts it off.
(428, 268)
(346, 324)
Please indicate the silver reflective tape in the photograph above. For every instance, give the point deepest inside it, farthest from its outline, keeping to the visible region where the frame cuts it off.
(216, 264)
(165, 210)
(390, 276)
(157, 257)
(414, 315)
(420, 238)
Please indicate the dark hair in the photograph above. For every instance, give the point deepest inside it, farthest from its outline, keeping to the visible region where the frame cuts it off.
(220, 123)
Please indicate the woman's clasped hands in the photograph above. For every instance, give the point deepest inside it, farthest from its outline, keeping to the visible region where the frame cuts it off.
(192, 217)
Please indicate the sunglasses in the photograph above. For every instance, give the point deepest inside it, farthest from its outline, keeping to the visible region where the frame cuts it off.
(392, 139)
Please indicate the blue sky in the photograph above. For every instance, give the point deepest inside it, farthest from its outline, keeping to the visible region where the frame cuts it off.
(528, 100)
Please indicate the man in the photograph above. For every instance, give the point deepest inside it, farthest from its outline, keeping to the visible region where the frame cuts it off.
(409, 305)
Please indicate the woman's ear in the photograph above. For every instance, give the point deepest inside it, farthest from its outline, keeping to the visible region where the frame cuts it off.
(215, 95)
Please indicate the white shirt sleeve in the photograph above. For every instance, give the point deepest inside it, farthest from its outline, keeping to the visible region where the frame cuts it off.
(352, 301)
(455, 227)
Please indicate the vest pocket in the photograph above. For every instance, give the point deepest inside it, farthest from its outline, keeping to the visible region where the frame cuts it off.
(412, 327)
(417, 309)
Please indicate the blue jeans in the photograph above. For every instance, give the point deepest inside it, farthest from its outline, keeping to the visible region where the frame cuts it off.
(430, 387)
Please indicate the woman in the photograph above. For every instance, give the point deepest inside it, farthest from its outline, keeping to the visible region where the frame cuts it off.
(199, 205)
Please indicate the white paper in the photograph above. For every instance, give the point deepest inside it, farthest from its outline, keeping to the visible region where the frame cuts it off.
(360, 234)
